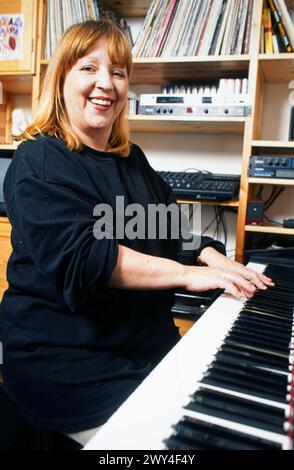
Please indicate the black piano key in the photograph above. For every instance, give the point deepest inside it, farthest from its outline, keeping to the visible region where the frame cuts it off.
(255, 354)
(248, 368)
(274, 315)
(256, 342)
(261, 323)
(269, 320)
(271, 298)
(215, 436)
(275, 312)
(251, 360)
(262, 335)
(177, 442)
(230, 382)
(257, 377)
(251, 347)
(239, 411)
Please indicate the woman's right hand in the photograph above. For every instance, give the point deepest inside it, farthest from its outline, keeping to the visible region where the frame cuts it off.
(199, 279)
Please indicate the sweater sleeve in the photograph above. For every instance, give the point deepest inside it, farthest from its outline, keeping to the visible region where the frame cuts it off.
(55, 227)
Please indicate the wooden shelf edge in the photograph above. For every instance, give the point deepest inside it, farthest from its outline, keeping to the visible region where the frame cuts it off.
(185, 59)
(273, 144)
(274, 181)
(223, 119)
(207, 124)
(209, 203)
(278, 229)
(191, 59)
(8, 147)
(277, 57)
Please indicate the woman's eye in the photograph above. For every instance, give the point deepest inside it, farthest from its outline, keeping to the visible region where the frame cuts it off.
(88, 68)
(118, 73)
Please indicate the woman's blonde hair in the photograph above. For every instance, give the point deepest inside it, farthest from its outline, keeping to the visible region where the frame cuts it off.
(51, 117)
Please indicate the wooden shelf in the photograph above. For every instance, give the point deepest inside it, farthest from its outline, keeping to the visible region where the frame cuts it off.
(160, 70)
(12, 147)
(274, 181)
(277, 67)
(129, 8)
(273, 144)
(207, 125)
(279, 229)
(20, 83)
(209, 203)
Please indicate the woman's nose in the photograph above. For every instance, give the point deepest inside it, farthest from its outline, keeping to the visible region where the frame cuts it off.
(104, 80)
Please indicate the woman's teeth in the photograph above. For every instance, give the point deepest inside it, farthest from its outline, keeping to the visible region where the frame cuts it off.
(100, 102)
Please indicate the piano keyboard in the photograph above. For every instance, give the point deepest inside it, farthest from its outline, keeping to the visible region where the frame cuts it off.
(228, 384)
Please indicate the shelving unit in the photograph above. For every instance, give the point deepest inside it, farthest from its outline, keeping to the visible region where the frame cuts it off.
(20, 77)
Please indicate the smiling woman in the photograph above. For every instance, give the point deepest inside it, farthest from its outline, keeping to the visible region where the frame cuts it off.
(92, 60)
(84, 320)
(99, 88)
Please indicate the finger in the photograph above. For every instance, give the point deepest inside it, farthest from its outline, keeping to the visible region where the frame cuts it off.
(256, 278)
(230, 288)
(266, 280)
(241, 283)
(251, 274)
(261, 280)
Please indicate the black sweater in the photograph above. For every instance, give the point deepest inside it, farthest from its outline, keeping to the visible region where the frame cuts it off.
(74, 348)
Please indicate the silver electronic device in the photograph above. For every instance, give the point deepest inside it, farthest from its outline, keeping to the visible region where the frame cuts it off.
(194, 105)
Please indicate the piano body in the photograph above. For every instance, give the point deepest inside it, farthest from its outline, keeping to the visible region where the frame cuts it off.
(222, 411)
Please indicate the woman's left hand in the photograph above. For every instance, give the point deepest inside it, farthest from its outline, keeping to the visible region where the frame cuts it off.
(214, 259)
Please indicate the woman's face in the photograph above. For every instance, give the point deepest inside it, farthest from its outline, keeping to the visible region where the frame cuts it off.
(95, 92)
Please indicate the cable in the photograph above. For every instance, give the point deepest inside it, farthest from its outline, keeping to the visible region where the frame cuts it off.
(276, 192)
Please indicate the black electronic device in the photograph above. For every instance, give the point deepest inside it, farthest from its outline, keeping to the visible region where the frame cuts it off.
(255, 213)
(202, 186)
(288, 223)
(291, 130)
(271, 166)
(5, 160)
